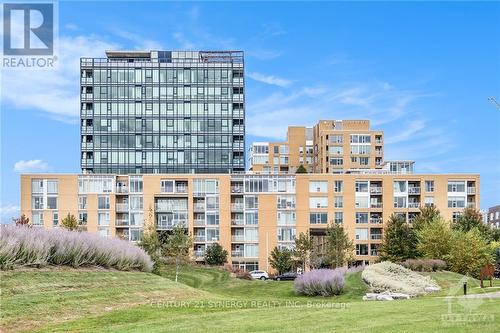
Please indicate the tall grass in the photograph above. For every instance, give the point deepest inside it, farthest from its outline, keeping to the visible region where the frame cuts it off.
(22, 246)
(323, 282)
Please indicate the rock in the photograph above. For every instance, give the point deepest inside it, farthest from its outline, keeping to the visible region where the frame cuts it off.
(384, 298)
(432, 289)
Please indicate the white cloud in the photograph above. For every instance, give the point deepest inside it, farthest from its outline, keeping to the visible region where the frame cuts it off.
(7, 212)
(269, 79)
(140, 43)
(55, 92)
(184, 43)
(30, 166)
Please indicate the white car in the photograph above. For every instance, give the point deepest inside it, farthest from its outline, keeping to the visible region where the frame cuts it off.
(259, 275)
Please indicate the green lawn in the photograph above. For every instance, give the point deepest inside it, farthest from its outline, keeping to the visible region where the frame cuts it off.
(209, 300)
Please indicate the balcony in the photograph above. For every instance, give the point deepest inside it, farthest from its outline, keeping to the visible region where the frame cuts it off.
(375, 220)
(237, 222)
(413, 204)
(199, 238)
(471, 190)
(122, 223)
(237, 238)
(87, 96)
(167, 225)
(121, 189)
(376, 190)
(121, 207)
(235, 207)
(413, 190)
(87, 145)
(375, 205)
(167, 207)
(199, 222)
(87, 129)
(376, 236)
(471, 205)
(378, 152)
(199, 254)
(236, 189)
(237, 253)
(374, 253)
(199, 207)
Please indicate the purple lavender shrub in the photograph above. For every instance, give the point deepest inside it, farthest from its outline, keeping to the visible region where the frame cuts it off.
(21, 246)
(320, 282)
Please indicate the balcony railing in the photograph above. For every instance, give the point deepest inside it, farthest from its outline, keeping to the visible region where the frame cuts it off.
(236, 189)
(199, 238)
(237, 207)
(237, 221)
(162, 207)
(376, 205)
(171, 224)
(376, 236)
(375, 220)
(471, 205)
(87, 129)
(471, 190)
(122, 222)
(376, 190)
(413, 204)
(122, 207)
(413, 190)
(199, 222)
(199, 254)
(237, 253)
(238, 238)
(199, 207)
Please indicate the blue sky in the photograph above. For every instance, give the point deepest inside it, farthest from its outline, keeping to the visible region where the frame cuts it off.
(422, 72)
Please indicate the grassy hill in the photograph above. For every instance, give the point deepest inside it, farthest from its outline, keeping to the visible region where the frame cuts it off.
(207, 300)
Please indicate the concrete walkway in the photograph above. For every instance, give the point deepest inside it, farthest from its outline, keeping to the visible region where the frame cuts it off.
(495, 294)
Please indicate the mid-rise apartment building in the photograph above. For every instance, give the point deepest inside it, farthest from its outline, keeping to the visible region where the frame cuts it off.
(330, 146)
(162, 112)
(248, 214)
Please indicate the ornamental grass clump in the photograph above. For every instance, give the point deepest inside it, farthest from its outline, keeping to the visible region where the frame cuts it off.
(389, 277)
(36, 247)
(320, 282)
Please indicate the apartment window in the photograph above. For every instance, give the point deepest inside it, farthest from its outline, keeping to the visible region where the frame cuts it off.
(103, 219)
(286, 202)
(429, 201)
(361, 217)
(361, 234)
(336, 150)
(399, 202)
(456, 186)
(456, 216)
(103, 231)
(456, 202)
(37, 202)
(286, 234)
(103, 202)
(362, 202)
(338, 186)
(136, 184)
(82, 218)
(429, 186)
(37, 219)
(212, 203)
(318, 218)
(286, 218)
(400, 186)
(362, 249)
(251, 234)
(251, 218)
(361, 186)
(338, 202)
(212, 235)
(338, 217)
(364, 160)
(318, 186)
(167, 186)
(136, 202)
(82, 202)
(283, 149)
(37, 186)
(251, 202)
(212, 218)
(336, 161)
(336, 139)
(318, 202)
(55, 219)
(52, 186)
(51, 202)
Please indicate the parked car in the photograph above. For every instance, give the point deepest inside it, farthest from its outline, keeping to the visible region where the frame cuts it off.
(259, 275)
(286, 276)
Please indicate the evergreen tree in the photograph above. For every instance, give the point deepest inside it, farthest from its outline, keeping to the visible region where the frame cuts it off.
(215, 254)
(301, 169)
(69, 222)
(339, 247)
(281, 260)
(399, 242)
(427, 216)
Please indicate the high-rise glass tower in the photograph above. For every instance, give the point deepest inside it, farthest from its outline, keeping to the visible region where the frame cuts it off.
(163, 112)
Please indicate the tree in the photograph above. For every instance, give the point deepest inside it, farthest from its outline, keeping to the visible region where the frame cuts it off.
(303, 249)
(177, 248)
(69, 222)
(150, 241)
(22, 221)
(301, 169)
(469, 252)
(470, 219)
(215, 254)
(339, 246)
(399, 241)
(434, 239)
(281, 260)
(427, 215)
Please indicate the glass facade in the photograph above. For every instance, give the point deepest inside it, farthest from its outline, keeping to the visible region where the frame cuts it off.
(163, 112)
